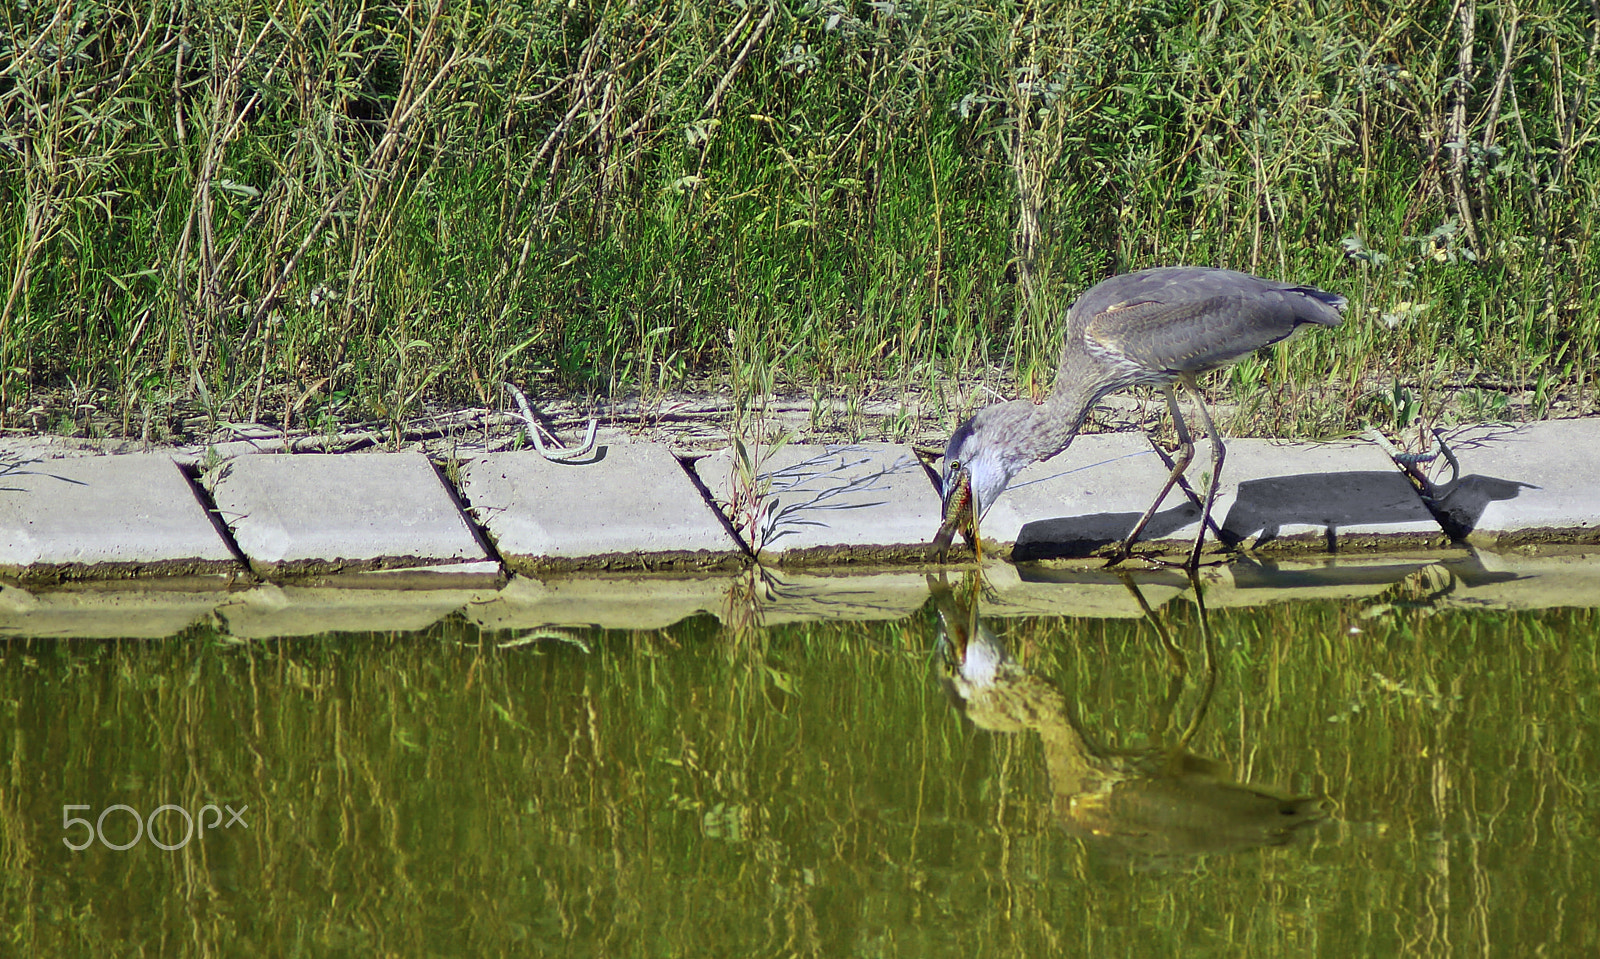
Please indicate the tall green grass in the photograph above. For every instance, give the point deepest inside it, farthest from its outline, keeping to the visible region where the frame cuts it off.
(284, 211)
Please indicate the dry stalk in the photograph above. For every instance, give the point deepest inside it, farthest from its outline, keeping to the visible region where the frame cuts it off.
(1466, 16)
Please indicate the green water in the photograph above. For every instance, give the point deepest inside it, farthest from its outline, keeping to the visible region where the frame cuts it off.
(805, 790)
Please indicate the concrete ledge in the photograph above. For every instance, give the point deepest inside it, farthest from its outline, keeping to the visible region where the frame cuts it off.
(1304, 497)
(385, 521)
(863, 502)
(105, 517)
(632, 506)
(1530, 484)
(316, 514)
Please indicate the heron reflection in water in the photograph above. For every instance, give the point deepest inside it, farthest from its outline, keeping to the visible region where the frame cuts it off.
(1157, 804)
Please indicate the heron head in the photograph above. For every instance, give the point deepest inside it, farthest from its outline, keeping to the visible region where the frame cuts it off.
(978, 464)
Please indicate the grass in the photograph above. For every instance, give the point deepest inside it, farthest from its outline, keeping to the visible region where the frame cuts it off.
(304, 214)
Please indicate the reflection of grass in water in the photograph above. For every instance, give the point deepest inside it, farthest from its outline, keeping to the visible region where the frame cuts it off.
(804, 789)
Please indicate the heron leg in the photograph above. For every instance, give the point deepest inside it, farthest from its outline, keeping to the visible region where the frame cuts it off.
(1180, 462)
(1218, 453)
(1183, 484)
(1188, 490)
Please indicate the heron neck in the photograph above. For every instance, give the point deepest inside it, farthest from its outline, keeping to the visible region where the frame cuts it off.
(1059, 418)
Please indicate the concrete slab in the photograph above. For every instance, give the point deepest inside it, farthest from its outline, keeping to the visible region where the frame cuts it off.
(104, 517)
(270, 611)
(816, 504)
(1320, 497)
(103, 614)
(632, 507)
(1527, 484)
(315, 514)
(608, 602)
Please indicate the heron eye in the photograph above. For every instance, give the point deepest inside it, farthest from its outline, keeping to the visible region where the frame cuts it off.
(955, 466)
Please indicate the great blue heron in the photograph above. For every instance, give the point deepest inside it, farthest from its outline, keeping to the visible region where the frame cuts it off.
(1150, 328)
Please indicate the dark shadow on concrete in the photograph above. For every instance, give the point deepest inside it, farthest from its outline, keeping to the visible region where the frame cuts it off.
(1331, 501)
(1068, 536)
(1460, 505)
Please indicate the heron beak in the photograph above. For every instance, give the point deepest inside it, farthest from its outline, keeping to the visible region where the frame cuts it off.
(960, 513)
(953, 631)
(956, 637)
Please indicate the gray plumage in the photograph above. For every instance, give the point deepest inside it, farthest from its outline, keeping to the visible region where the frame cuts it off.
(1155, 327)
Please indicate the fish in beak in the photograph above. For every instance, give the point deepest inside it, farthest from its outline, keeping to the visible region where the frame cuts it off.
(960, 513)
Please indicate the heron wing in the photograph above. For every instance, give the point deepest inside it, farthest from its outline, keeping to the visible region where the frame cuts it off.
(1190, 334)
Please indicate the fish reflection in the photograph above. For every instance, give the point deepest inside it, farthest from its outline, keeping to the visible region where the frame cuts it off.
(1162, 803)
